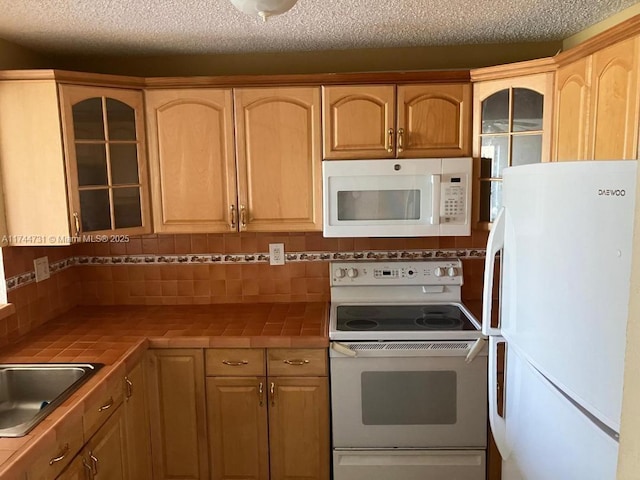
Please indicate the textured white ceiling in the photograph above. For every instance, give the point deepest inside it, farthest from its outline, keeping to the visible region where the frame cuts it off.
(215, 26)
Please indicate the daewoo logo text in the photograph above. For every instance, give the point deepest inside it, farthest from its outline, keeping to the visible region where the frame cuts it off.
(606, 192)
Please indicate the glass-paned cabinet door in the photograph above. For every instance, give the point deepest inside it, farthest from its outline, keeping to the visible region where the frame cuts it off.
(511, 128)
(106, 163)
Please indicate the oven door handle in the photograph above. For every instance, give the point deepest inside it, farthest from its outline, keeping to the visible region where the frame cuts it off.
(343, 349)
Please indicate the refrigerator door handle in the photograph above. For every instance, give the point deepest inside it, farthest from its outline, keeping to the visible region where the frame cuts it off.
(494, 245)
(498, 424)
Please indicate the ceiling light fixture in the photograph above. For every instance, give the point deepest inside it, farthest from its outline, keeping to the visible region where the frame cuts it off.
(264, 8)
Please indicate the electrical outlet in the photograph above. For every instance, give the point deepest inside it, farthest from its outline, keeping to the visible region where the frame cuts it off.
(41, 266)
(276, 253)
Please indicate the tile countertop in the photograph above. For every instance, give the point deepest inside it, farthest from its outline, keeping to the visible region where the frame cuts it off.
(118, 336)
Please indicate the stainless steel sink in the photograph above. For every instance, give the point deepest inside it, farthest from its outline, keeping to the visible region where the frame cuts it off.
(31, 391)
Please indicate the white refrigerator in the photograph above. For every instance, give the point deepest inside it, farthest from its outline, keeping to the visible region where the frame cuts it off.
(565, 237)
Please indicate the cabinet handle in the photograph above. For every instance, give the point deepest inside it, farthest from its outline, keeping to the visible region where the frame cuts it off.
(390, 143)
(400, 140)
(243, 217)
(88, 472)
(296, 362)
(76, 223)
(272, 392)
(107, 405)
(94, 464)
(61, 455)
(233, 217)
(261, 394)
(129, 386)
(235, 363)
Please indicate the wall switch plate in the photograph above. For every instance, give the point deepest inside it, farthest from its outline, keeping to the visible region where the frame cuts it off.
(276, 253)
(41, 266)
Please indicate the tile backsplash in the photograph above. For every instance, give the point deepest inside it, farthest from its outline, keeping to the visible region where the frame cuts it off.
(203, 269)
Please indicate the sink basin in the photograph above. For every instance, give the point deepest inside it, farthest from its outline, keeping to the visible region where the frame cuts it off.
(31, 391)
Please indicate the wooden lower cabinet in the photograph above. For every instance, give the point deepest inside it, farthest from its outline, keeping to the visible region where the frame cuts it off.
(237, 420)
(299, 428)
(136, 417)
(268, 427)
(104, 457)
(177, 414)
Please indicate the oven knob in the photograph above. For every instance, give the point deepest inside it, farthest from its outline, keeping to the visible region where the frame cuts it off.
(439, 272)
(352, 273)
(339, 273)
(452, 271)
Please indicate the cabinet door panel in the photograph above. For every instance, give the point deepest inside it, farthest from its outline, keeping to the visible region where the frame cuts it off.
(191, 159)
(177, 414)
(357, 120)
(105, 153)
(299, 428)
(107, 450)
(137, 425)
(614, 101)
(436, 120)
(572, 106)
(237, 418)
(279, 162)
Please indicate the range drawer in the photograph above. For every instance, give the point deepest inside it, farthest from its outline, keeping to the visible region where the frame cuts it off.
(235, 362)
(297, 362)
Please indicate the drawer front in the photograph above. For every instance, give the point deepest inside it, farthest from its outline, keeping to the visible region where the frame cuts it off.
(56, 449)
(297, 362)
(101, 403)
(235, 362)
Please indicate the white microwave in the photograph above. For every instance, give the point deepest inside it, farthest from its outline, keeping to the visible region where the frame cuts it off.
(397, 198)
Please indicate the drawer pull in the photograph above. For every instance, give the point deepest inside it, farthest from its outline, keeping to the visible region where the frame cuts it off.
(129, 385)
(296, 362)
(107, 405)
(61, 455)
(237, 363)
(94, 464)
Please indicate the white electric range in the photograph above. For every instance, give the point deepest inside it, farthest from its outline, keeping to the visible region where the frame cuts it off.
(408, 395)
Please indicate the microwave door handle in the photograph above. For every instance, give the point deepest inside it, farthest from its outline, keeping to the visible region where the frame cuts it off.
(435, 199)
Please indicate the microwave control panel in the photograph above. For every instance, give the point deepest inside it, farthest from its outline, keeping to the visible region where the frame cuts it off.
(453, 199)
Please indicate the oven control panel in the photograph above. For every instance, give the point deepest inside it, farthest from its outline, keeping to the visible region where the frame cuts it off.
(402, 272)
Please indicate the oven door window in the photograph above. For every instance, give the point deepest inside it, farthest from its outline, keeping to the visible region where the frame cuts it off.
(409, 398)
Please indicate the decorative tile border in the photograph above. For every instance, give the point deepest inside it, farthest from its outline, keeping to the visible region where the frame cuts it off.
(242, 258)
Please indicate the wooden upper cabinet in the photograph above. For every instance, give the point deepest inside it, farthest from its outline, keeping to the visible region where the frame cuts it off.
(357, 121)
(192, 163)
(104, 143)
(598, 105)
(571, 108)
(614, 102)
(404, 121)
(279, 158)
(434, 121)
(512, 120)
(87, 146)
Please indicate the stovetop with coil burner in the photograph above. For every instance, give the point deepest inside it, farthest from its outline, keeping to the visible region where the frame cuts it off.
(399, 300)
